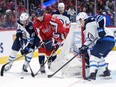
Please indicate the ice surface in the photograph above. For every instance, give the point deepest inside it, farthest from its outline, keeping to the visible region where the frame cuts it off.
(15, 77)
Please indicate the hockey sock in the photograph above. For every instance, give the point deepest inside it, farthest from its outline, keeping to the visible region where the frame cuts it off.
(52, 58)
(41, 59)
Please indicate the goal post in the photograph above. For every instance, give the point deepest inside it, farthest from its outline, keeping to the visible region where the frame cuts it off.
(83, 56)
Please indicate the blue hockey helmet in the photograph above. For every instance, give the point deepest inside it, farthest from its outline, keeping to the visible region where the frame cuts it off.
(39, 12)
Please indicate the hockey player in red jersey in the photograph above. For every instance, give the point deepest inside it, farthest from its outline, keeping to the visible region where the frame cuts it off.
(46, 33)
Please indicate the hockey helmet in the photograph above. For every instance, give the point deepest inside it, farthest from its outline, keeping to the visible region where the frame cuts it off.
(61, 6)
(24, 17)
(39, 12)
(82, 15)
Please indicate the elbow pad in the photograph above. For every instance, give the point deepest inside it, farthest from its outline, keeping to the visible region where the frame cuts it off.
(101, 32)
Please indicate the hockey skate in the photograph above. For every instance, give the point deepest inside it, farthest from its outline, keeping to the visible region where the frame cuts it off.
(92, 76)
(24, 68)
(8, 67)
(42, 69)
(49, 64)
(106, 74)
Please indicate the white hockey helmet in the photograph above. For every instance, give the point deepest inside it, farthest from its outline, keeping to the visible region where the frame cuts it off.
(61, 6)
(82, 16)
(24, 17)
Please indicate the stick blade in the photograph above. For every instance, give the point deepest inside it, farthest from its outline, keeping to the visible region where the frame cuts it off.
(2, 69)
(33, 75)
(49, 76)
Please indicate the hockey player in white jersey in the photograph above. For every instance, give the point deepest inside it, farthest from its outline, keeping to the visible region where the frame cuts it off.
(25, 37)
(62, 15)
(95, 28)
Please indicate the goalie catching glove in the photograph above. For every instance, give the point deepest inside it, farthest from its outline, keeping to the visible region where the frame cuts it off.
(83, 49)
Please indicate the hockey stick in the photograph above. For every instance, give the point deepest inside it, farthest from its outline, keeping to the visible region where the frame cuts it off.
(32, 74)
(43, 64)
(2, 68)
(49, 76)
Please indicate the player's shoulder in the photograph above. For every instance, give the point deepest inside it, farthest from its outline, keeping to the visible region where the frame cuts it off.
(36, 22)
(30, 24)
(47, 17)
(66, 14)
(90, 19)
(19, 23)
(56, 12)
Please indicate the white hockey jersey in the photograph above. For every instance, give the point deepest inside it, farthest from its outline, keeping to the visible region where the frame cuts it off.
(65, 18)
(91, 32)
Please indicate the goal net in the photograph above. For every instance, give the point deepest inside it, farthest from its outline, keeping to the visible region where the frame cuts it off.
(71, 44)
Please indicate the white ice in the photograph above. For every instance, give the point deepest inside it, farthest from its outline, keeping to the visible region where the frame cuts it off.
(13, 77)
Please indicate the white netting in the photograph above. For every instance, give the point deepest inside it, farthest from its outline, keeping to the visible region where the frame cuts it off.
(72, 42)
(74, 67)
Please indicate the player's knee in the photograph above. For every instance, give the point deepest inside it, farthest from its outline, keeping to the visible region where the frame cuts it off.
(52, 58)
(28, 59)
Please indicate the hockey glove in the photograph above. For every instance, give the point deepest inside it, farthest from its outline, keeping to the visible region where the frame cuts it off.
(25, 51)
(101, 32)
(56, 47)
(56, 35)
(83, 49)
(19, 34)
(43, 45)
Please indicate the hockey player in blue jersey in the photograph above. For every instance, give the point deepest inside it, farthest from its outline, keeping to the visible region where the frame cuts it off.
(25, 38)
(95, 29)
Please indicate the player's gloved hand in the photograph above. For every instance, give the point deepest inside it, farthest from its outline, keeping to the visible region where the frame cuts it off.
(25, 51)
(56, 35)
(19, 34)
(83, 49)
(101, 32)
(43, 45)
(56, 47)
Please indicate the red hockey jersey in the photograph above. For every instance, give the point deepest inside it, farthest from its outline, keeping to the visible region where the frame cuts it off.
(44, 28)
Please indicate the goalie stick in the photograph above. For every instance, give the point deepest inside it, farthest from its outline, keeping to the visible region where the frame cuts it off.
(49, 76)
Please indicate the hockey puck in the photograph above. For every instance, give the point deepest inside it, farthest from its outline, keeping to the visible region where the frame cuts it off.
(21, 77)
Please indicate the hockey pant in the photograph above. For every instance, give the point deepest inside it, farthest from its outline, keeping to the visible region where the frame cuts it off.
(98, 53)
(47, 49)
